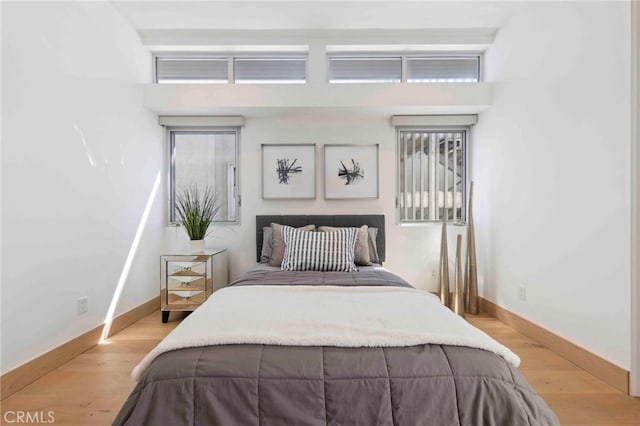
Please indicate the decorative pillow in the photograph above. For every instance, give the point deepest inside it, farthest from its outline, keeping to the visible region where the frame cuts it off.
(277, 243)
(319, 251)
(373, 245)
(265, 254)
(361, 250)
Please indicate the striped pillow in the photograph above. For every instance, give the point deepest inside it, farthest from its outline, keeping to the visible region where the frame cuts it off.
(319, 251)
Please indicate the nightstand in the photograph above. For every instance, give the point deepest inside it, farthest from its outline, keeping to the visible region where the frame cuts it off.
(188, 279)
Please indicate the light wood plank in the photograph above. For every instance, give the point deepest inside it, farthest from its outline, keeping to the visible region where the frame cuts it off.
(566, 382)
(610, 373)
(20, 377)
(588, 409)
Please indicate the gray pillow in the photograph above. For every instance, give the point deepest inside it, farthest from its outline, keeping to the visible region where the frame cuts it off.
(277, 243)
(265, 255)
(373, 245)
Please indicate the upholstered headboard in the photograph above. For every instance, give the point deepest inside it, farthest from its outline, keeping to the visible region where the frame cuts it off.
(357, 220)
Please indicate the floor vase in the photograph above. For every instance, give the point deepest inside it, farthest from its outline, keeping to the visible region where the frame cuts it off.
(471, 269)
(443, 267)
(457, 302)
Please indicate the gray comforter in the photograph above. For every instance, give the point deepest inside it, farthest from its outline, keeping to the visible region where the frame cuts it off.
(369, 277)
(292, 385)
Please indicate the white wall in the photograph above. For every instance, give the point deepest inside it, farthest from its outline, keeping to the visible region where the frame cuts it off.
(389, 98)
(412, 251)
(80, 157)
(552, 172)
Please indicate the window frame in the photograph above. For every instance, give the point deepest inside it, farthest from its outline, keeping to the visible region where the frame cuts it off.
(465, 174)
(189, 55)
(457, 55)
(170, 131)
(364, 55)
(230, 58)
(273, 56)
(404, 56)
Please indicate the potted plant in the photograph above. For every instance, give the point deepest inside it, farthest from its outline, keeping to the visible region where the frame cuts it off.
(195, 210)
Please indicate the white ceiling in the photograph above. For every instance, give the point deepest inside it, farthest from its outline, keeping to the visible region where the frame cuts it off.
(316, 15)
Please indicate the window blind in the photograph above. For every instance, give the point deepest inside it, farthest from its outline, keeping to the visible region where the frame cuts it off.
(365, 69)
(270, 70)
(191, 70)
(440, 69)
(201, 120)
(431, 175)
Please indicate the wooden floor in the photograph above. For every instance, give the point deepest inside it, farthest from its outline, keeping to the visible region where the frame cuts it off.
(577, 397)
(90, 389)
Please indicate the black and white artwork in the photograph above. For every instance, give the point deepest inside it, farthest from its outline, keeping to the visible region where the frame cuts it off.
(351, 175)
(286, 168)
(288, 171)
(351, 171)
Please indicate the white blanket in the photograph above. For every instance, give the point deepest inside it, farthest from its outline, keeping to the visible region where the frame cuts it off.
(323, 316)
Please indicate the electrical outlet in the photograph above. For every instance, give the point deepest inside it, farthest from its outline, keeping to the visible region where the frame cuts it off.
(82, 305)
(434, 274)
(522, 293)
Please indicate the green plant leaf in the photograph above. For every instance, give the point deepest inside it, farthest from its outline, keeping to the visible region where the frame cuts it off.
(196, 209)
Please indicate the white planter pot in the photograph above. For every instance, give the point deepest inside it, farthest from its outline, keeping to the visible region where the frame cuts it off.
(196, 246)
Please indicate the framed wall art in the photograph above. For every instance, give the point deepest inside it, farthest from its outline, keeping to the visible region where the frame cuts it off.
(350, 171)
(288, 171)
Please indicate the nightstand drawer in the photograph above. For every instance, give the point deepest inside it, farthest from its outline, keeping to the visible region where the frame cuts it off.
(188, 279)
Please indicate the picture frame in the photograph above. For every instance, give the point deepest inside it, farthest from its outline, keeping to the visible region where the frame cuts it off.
(351, 171)
(288, 171)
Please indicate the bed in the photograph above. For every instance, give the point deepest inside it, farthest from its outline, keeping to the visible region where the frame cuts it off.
(323, 347)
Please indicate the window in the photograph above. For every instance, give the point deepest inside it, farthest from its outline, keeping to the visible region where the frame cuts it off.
(424, 68)
(191, 70)
(443, 69)
(291, 70)
(204, 68)
(353, 69)
(432, 175)
(290, 67)
(201, 157)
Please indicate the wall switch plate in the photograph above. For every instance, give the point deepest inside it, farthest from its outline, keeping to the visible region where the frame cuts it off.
(83, 305)
(522, 293)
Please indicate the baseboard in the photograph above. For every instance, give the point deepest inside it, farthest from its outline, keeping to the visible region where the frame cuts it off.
(590, 362)
(16, 379)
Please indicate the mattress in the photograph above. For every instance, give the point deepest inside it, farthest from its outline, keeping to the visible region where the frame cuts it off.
(269, 384)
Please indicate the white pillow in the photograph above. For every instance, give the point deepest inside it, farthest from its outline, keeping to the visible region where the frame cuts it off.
(319, 251)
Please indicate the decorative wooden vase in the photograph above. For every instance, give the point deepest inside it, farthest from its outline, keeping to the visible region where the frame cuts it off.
(443, 267)
(457, 303)
(471, 270)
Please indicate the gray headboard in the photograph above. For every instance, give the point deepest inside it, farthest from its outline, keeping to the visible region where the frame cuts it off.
(357, 220)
